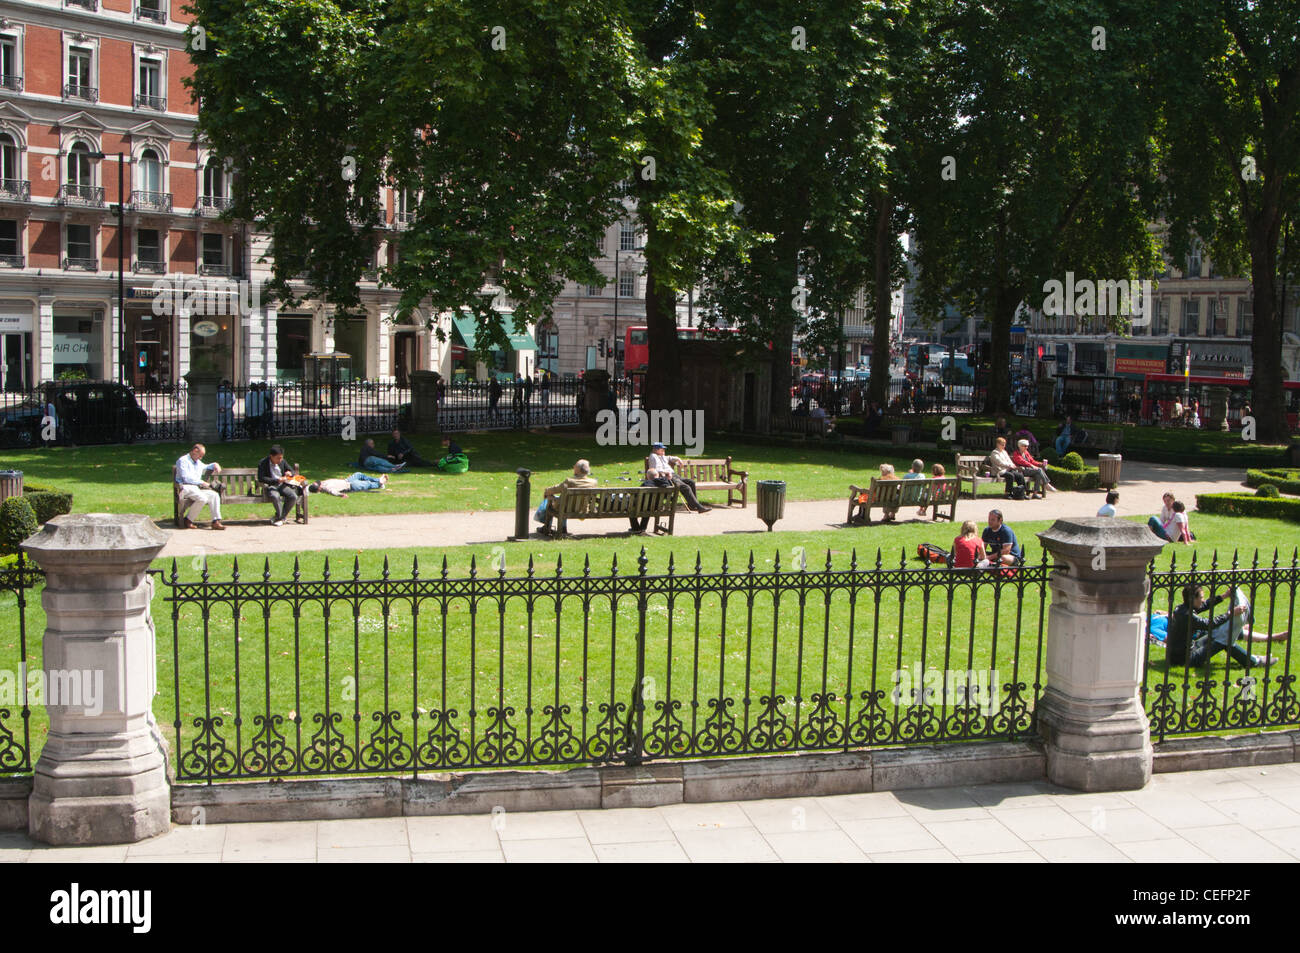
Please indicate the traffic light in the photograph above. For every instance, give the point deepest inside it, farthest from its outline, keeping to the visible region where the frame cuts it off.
(602, 347)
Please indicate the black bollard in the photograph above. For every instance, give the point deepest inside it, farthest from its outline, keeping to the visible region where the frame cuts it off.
(522, 486)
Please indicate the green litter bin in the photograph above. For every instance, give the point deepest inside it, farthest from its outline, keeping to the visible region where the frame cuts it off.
(771, 501)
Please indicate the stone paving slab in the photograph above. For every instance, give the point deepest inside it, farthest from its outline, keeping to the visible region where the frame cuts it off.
(1182, 818)
(1140, 492)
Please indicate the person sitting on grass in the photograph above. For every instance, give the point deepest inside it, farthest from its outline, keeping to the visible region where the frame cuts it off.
(401, 451)
(369, 459)
(356, 483)
(455, 460)
(1109, 509)
(1175, 527)
(581, 478)
(1000, 541)
(1184, 646)
(916, 473)
(887, 473)
(1033, 470)
(1157, 523)
(968, 549)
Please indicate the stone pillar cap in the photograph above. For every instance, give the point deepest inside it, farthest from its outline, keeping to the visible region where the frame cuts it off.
(114, 535)
(1122, 540)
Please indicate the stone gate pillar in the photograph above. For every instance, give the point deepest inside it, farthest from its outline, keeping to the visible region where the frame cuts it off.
(424, 401)
(102, 776)
(1096, 732)
(201, 407)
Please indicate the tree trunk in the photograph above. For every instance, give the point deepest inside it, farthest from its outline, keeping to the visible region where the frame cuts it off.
(998, 400)
(881, 317)
(1267, 398)
(661, 380)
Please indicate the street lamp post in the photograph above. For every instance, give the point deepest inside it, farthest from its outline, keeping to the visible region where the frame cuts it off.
(121, 285)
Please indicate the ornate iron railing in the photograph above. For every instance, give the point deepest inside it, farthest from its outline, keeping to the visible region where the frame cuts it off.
(351, 674)
(311, 410)
(18, 580)
(1223, 693)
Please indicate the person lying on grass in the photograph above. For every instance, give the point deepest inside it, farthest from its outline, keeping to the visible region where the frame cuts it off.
(356, 483)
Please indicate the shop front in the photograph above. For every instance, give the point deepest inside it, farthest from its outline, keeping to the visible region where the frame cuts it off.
(16, 326)
(78, 345)
(1220, 358)
(149, 347)
(515, 360)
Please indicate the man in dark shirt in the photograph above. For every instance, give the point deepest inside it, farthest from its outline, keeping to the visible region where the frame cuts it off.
(401, 451)
(274, 477)
(1193, 640)
(1000, 542)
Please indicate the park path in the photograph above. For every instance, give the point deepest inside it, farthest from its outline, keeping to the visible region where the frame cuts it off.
(1140, 492)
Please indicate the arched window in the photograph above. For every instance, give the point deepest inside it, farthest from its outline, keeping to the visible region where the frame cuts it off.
(214, 180)
(150, 172)
(8, 158)
(79, 167)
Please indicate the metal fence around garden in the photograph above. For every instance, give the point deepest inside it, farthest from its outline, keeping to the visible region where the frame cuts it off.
(79, 413)
(348, 673)
(19, 655)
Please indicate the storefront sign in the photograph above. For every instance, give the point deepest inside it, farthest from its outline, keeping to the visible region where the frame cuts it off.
(15, 321)
(205, 329)
(77, 348)
(1139, 365)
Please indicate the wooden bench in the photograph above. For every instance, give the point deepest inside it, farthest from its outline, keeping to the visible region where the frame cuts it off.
(1101, 441)
(932, 492)
(970, 469)
(239, 485)
(625, 503)
(805, 426)
(985, 440)
(717, 474)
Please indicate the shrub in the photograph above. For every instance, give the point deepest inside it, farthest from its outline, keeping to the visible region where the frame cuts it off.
(942, 444)
(1268, 490)
(1084, 478)
(1286, 480)
(1072, 461)
(1244, 504)
(17, 522)
(47, 503)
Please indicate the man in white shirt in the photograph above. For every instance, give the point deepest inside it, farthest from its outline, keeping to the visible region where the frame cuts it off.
(1109, 509)
(661, 468)
(196, 491)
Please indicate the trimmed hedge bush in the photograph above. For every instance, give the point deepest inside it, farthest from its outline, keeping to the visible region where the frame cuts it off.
(1287, 481)
(1268, 491)
(1072, 461)
(17, 522)
(1084, 478)
(47, 501)
(1244, 504)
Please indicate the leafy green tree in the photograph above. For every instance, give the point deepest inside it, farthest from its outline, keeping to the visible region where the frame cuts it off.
(1230, 78)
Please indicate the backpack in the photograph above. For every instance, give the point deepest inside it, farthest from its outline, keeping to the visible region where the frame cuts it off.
(932, 553)
(454, 463)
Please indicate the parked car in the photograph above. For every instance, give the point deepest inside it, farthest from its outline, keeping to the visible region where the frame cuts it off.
(86, 411)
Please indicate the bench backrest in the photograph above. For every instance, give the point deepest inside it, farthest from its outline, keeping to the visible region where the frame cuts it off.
(970, 464)
(702, 471)
(237, 481)
(635, 501)
(922, 491)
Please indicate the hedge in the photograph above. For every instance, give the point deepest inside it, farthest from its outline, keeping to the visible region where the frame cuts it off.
(46, 501)
(1086, 479)
(1245, 504)
(1287, 481)
(17, 522)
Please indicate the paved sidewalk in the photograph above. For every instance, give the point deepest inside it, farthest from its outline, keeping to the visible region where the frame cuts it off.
(1235, 814)
(1140, 492)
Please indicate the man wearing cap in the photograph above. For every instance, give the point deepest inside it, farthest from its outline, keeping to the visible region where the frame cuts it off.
(661, 467)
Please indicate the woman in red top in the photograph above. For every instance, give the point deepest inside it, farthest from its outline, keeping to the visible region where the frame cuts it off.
(968, 549)
(1034, 470)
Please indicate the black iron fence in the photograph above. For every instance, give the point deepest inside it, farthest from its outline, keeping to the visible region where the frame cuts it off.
(350, 674)
(521, 404)
(303, 409)
(19, 656)
(905, 397)
(85, 412)
(1228, 675)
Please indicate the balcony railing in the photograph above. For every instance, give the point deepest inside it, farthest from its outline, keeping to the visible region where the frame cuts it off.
(151, 267)
(81, 194)
(80, 264)
(83, 4)
(157, 15)
(213, 204)
(11, 82)
(152, 201)
(15, 190)
(151, 102)
(74, 91)
(403, 218)
(221, 271)
(13, 261)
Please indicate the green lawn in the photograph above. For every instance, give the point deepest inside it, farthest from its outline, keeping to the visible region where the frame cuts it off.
(136, 479)
(773, 659)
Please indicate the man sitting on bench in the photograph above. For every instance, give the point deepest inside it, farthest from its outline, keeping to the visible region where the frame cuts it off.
(278, 485)
(661, 468)
(581, 478)
(1000, 542)
(196, 491)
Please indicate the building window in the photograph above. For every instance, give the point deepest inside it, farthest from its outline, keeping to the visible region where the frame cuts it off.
(627, 236)
(80, 170)
(148, 251)
(150, 173)
(1245, 317)
(11, 254)
(1191, 317)
(214, 254)
(626, 285)
(1219, 317)
(9, 166)
(1160, 317)
(80, 81)
(151, 10)
(1194, 263)
(11, 75)
(593, 291)
(149, 93)
(80, 248)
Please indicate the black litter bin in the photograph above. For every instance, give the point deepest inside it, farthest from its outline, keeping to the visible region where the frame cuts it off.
(771, 501)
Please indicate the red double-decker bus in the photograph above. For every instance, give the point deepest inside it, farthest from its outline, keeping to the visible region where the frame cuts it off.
(1164, 390)
(636, 344)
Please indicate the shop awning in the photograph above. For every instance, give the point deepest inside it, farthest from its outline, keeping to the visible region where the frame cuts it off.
(468, 328)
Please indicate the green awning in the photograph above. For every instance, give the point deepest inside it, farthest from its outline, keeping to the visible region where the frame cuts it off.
(468, 328)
